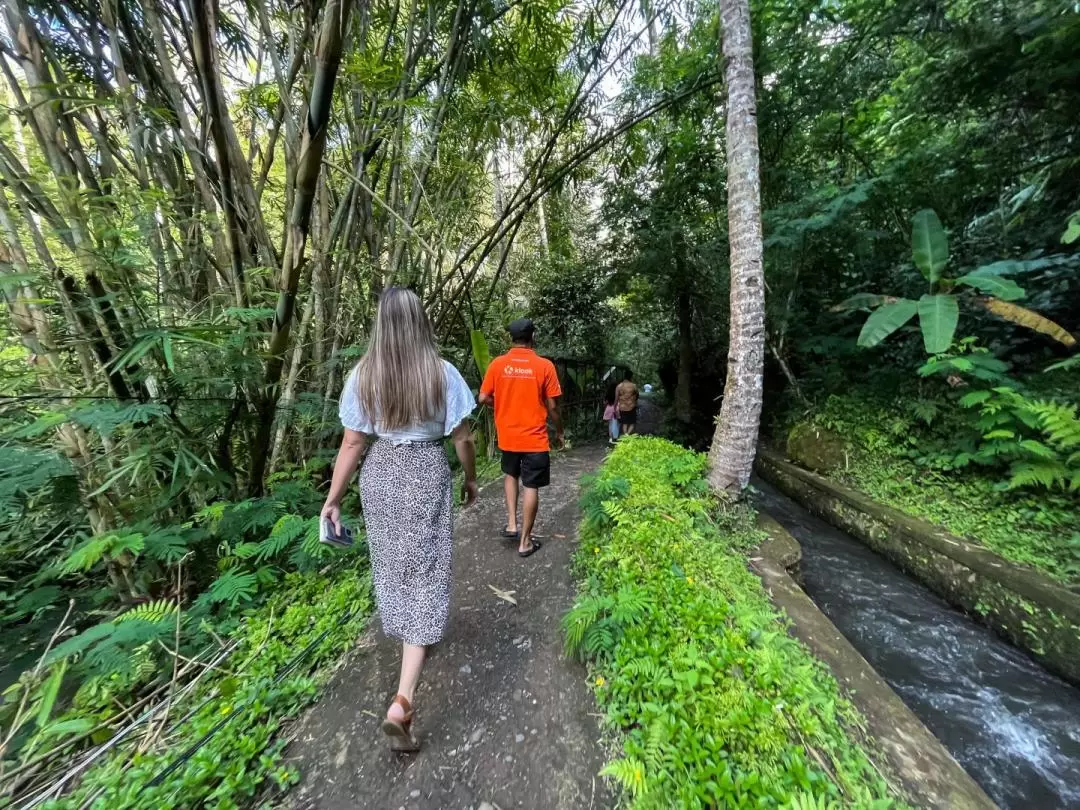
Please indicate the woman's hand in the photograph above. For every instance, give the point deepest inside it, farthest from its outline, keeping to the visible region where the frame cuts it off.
(469, 492)
(332, 511)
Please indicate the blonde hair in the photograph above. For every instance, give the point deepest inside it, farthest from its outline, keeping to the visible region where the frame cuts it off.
(400, 379)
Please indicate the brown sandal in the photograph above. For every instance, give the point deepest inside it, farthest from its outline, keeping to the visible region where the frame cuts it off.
(400, 734)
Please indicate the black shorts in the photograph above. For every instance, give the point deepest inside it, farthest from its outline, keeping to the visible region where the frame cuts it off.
(534, 469)
(628, 417)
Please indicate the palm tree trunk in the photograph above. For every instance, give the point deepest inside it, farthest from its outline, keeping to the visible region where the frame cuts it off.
(734, 444)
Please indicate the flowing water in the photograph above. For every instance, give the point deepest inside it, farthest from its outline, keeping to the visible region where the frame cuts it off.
(1010, 723)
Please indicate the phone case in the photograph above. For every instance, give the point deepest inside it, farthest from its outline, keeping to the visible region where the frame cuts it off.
(326, 531)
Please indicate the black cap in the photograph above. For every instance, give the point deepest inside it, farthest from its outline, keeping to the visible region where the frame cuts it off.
(521, 330)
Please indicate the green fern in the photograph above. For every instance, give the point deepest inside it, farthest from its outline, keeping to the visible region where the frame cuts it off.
(1059, 422)
(645, 669)
(582, 616)
(614, 510)
(101, 547)
(630, 604)
(233, 587)
(600, 639)
(1044, 473)
(150, 611)
(310, 552)
(169, 544)
(628, 773)
(287, 529)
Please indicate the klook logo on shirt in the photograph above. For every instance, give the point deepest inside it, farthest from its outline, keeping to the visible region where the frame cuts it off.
(518, 371)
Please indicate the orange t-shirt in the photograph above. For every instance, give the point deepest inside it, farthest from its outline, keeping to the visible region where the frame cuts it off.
(521, 381)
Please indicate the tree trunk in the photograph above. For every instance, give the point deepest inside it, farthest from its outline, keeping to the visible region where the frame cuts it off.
(734, 444)
(313, 142)
(686, 360)
(542, 216)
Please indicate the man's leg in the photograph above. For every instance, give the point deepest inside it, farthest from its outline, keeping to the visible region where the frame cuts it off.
(511, 467)
(530, 506)
(535, 473)
(510, 488)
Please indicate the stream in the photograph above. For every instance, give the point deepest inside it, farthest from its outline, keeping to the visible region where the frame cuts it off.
(1012, 725)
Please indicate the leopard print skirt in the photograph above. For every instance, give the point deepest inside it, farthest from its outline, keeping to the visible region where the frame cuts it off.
(407, 495)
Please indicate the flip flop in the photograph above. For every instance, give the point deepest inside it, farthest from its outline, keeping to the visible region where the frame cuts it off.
(536, 544)
(401, 738)
(509, 535)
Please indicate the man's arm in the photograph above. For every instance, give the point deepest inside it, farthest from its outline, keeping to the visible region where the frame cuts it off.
(556, 417)
(487, 387)
(466, 453)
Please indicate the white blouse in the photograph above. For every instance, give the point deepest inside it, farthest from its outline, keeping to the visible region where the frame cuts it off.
(459, 404)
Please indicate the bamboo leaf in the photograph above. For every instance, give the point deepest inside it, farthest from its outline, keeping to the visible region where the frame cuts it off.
(49, 692)
(480, 350)
(938, 316)
(14, 281)
(166, 348)
(68, 727)
(929, 245)
(1004, 288)
(1023, 316)
(885, 320)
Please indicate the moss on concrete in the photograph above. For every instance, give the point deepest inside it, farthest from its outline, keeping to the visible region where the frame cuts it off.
(817, 448)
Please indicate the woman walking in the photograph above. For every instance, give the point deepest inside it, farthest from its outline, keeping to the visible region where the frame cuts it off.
(408, 398)
(611, 415)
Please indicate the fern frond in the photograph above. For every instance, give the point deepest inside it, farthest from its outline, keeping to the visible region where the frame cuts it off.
(101, 547)
(628, 773)
(287, 529)
(149, 611)
(581, 617)
(1059, 422)
(1047, 474)
(234, 586)
(614, 510)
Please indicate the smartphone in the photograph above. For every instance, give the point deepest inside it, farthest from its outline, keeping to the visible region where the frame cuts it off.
(328, 535)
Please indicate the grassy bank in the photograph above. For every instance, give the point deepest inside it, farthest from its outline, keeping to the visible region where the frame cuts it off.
(890, 456)
(715, 703)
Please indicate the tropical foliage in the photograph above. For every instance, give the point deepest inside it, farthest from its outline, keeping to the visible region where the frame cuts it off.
(719, 705)
(939, 309)
(930, 458)
(200, 203)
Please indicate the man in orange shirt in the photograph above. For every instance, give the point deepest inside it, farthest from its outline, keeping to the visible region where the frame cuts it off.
(523, 386)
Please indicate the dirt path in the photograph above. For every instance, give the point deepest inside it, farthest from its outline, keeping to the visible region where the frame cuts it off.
(506, 720)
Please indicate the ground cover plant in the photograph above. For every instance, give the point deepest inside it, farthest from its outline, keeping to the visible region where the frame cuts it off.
(217, 744)
(903, 453)
(715, 704)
